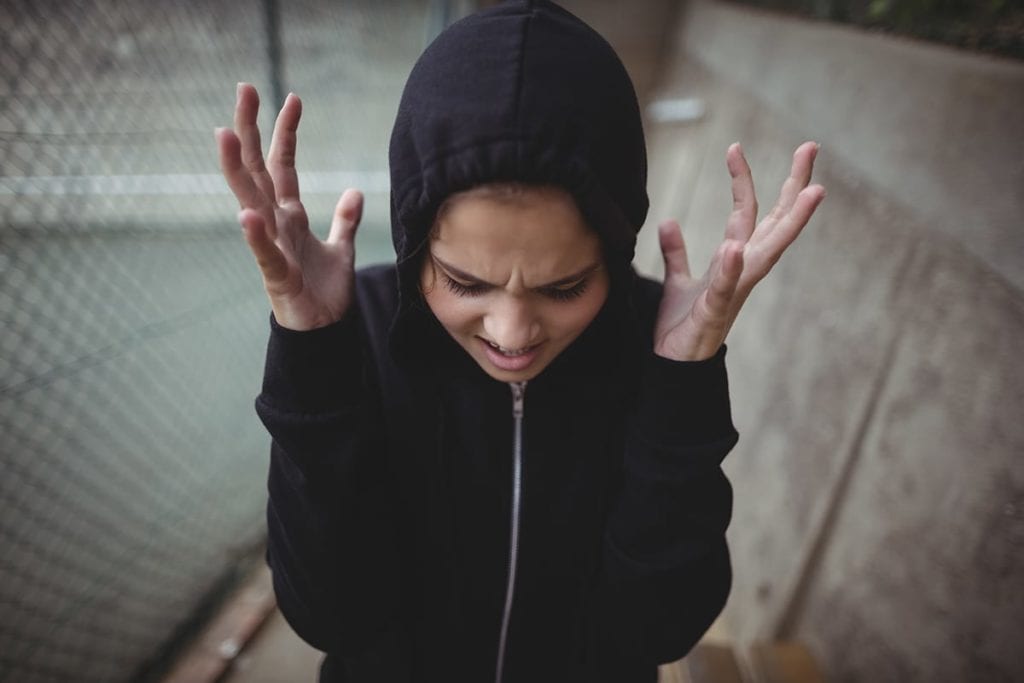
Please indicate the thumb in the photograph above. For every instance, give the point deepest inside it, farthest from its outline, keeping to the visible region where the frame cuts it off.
(347, 214)
(673, 249)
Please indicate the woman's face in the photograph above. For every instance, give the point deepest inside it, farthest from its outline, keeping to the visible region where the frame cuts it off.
(514, 279)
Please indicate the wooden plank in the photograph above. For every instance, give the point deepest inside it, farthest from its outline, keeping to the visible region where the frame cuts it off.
(784, 662)
(706, 663)
(674, 672)
(713, 663)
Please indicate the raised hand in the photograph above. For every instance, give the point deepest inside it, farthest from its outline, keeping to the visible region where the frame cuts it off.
(310, 283)
(696, 314)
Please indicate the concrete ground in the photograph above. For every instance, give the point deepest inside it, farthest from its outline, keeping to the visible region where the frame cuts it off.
(275, 654)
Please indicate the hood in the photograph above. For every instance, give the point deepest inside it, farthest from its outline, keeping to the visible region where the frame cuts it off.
(522, 91)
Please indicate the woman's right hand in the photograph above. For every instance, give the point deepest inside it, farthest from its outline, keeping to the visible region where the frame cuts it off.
(310, 283)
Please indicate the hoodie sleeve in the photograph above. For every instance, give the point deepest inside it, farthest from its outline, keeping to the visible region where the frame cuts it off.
(331, 531)
(667, 568)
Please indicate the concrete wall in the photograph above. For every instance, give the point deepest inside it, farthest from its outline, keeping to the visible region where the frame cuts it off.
(876, 376)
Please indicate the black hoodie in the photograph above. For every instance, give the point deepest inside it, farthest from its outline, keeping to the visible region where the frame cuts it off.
(392, 467)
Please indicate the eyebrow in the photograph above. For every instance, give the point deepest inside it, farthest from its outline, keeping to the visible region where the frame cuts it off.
(561, 282)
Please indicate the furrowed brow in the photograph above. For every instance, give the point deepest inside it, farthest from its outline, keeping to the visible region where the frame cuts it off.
(474, 280)
(461, 274)
(572, 279)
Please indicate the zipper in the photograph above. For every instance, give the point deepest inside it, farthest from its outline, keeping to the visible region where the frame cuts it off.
(518, 399)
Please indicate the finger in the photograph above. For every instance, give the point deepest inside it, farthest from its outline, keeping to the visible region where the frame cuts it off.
(281, 159)
(269, 258)
(724, 280)
(789, 228)
(347, 214)
(799, 177)
(241, 183)
(247, 107)
(744, 202)
(673, 249)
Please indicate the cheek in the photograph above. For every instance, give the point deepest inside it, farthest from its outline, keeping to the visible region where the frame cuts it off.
(574, 317)
(456, 314)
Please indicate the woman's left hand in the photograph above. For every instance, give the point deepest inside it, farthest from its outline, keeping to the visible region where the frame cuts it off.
(696, 314)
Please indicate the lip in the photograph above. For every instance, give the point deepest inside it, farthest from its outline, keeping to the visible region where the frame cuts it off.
(510, 363)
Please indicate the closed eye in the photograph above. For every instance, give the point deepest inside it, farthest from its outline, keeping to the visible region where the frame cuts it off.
(462, 289)
(554, 293)
(565, 289)
(566, 293)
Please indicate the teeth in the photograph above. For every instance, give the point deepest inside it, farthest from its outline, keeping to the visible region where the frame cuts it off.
(508, 352)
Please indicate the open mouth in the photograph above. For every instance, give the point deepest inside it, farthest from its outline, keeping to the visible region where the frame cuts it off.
(511, 353)
(510, 360)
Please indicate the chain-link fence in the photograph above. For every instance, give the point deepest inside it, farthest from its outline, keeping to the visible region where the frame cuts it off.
(133, 320)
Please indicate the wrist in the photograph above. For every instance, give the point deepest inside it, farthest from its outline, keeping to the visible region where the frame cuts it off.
(699, 350)
(684, 402)
(313, 371)
(301, 319)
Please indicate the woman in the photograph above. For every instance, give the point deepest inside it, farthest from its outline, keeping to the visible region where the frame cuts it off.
(499, 458)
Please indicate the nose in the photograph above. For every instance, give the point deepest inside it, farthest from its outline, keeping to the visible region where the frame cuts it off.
(512, 323)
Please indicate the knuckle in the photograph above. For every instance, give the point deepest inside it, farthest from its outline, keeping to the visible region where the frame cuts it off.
(766, 267)
(284, 155)
(255, 164)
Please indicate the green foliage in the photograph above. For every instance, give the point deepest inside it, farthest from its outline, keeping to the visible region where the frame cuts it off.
(988, 25)
(907, 11)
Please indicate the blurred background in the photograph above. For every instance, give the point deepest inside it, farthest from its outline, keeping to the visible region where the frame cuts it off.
(876, 375)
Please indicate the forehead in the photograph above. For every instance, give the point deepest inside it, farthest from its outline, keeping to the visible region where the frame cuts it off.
(540, 224)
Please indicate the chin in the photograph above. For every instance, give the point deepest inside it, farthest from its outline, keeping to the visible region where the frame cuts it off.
(509, 375)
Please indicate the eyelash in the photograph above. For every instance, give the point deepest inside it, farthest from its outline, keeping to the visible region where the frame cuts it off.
(554, 293)
(460, 289)
(573, 292)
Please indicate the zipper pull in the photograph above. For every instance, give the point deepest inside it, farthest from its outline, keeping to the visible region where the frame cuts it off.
(518, 394)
